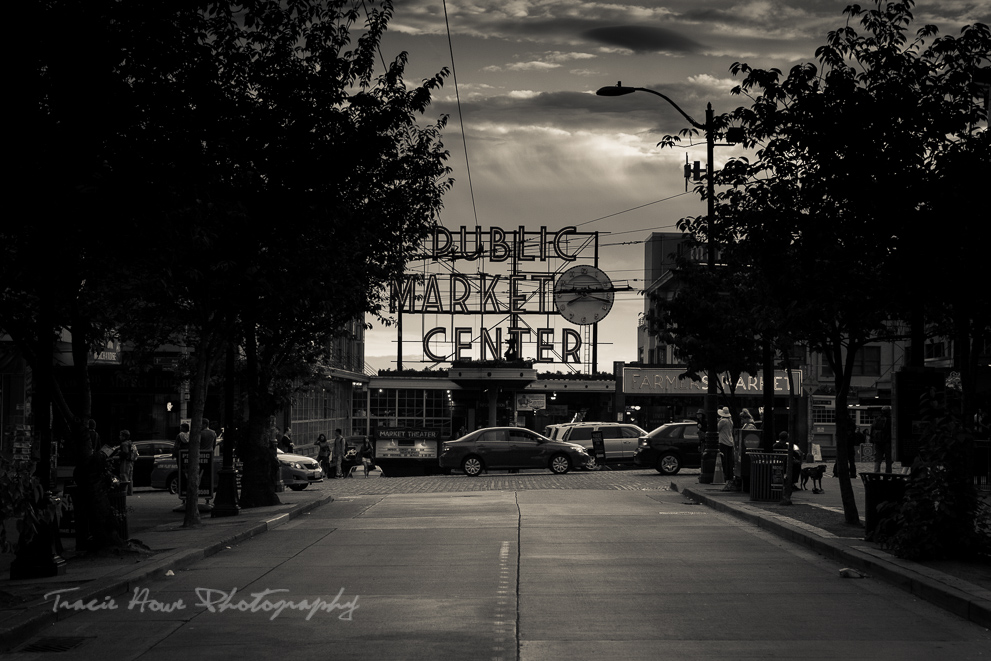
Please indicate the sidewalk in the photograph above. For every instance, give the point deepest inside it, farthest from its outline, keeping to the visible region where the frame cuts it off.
(961, 588)
(24, 611)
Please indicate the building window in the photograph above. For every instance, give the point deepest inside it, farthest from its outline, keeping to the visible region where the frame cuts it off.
(824, 416)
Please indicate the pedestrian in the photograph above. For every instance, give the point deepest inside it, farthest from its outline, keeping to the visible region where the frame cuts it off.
(783, 444)
(854, 437)
(92, 437)
(285, 443)
(340, 446)
(367, 453)
(128, 453)
(701, 423)
(208, 437)
(881, 438)
(181, 440)
(323, 453)
(726, 445)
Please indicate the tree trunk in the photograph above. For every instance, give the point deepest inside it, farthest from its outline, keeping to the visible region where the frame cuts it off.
(260, 461)
(197, 402)
(843, 372)
(767, 419)
(257, 447)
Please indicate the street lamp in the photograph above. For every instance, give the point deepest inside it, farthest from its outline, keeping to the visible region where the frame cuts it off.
(710, 453)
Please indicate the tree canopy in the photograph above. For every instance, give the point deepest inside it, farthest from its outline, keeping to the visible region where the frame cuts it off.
(852, 159)
(259, 168)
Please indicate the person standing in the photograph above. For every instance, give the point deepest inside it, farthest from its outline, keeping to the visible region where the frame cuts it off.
(881, 438)
(181, 440)
(854, 437)
(701, 423)
(340, 446)
(208, 437)
(323, 453)
(128, 453)
(784, 444)
(726, 445)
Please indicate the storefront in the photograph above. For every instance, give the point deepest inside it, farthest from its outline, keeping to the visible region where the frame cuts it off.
(653, 396)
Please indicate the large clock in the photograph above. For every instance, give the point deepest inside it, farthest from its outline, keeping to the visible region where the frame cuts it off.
(584, 295)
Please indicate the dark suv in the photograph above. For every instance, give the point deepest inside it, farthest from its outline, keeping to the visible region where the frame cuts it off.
(670, 447)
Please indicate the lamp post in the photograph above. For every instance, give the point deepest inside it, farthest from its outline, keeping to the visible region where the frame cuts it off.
(710, 451)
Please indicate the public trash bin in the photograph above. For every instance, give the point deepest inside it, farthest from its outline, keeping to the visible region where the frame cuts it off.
(766, 475)
(880, 488)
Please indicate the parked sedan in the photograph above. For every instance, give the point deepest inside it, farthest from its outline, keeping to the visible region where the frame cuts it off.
(147, 451)
(165, 474)
(298, 471)
(510, 448)
(670, 447)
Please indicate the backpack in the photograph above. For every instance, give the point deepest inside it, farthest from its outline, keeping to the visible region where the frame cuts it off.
(133, 454)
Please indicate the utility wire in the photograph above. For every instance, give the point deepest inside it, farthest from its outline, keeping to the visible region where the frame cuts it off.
(595, 220)
(461, 120)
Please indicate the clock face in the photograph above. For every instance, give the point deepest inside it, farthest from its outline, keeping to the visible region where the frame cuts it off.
(584, 295)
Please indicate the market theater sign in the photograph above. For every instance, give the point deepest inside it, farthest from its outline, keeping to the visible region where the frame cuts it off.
(669, 381)
(495, 296)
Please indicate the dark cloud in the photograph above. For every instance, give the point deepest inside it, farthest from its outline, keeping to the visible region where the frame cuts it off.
(643, 39)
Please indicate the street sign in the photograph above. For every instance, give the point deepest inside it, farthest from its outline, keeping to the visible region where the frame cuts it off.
(206, 485)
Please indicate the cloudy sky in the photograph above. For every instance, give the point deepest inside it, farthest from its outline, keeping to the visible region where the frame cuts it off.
(542, 149)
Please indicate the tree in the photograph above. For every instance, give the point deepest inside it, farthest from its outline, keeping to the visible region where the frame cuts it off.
(845, 170)
(710, 322)
(271, 180)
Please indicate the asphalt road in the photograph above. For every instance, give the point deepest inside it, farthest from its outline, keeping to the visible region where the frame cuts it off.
(535, 574)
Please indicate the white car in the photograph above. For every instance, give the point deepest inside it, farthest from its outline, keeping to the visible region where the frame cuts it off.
(298, 471)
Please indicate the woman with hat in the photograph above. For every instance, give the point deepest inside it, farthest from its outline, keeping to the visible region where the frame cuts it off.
(726, 446)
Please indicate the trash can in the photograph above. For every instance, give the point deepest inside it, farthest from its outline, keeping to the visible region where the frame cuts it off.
(880, 488)
(766, 475)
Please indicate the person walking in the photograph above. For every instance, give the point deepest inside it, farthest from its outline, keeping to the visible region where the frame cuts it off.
(340, 447)
(726, 445)
(128, 453)
(92, 437)
(285, 443)
(323, 453)
(881, 438)
(367, 453)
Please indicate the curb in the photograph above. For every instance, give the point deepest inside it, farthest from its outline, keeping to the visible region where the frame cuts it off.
(957, 596)
(38, 615)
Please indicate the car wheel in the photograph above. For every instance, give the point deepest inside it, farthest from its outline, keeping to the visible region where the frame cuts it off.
(668, 464)
(297, 487)
(591, 464)
(173, 483)
(560, 464)
(472, 466)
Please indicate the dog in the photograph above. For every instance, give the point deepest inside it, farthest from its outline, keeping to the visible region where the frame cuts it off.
(814, 473)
